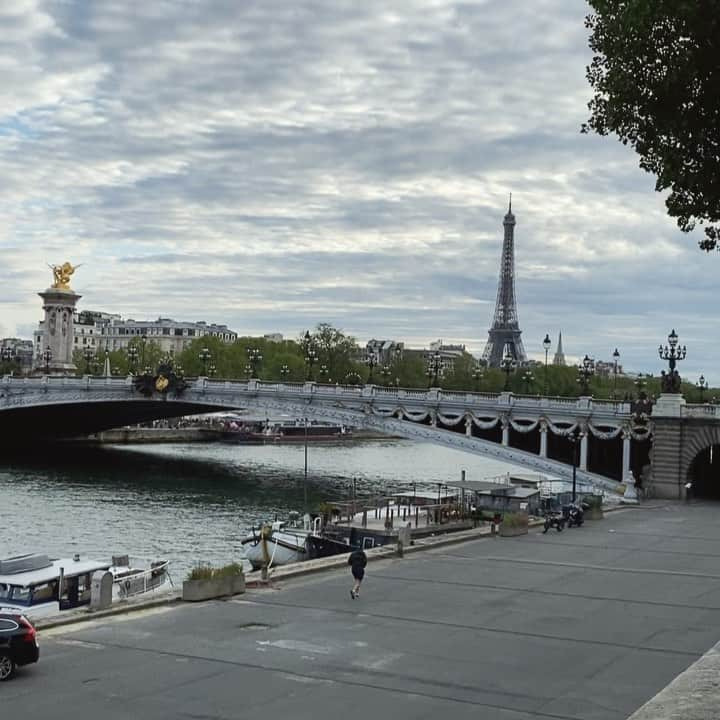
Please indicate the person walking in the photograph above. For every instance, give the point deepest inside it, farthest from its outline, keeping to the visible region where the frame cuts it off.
(357, 562)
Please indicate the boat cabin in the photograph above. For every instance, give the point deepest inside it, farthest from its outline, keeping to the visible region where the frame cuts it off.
(36, 584)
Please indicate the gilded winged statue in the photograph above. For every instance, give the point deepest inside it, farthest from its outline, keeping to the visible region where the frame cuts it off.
(61, 275)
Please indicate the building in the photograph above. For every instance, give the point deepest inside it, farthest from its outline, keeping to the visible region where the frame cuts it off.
(383, 352)
(16, 350)
(102, 331)
(559, 358)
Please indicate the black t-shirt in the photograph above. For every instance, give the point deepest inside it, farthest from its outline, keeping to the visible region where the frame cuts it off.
(357, 559)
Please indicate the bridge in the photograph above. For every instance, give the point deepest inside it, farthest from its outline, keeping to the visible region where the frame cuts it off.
(603, 439)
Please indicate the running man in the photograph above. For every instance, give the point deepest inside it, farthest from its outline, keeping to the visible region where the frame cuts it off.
(357, 562)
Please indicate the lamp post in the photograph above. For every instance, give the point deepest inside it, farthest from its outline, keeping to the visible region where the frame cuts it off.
(673, 353)
(212, 370)
(132, 354)
(324, 372)
(386, 372)
(255, 357)
(248, 370)
(477, 376)
(88, 355)
(616, 357)
(433, 369)
(574, 438)
(507, 365)
(586, 369)
(528, 378)
(546, 347)
(8, 355)
(702, 386)
(310, 359)
(204, 356)
(371, 362)
(143, 343)
(284, 372)
(47, 356)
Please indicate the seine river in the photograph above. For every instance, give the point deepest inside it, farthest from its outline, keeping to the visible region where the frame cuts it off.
(194, 503)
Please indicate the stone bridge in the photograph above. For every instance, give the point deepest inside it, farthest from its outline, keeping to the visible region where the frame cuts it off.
(533, 432)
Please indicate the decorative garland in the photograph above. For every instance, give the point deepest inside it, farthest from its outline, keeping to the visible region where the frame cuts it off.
(483, 425)
(517, 427)
(449, 419)
(610, 435)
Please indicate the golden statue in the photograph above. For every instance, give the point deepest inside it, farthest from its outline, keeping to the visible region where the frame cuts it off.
(61, 275)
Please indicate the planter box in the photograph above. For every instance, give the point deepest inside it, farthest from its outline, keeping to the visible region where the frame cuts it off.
(594, 513)
(198, 590)
(512, 530)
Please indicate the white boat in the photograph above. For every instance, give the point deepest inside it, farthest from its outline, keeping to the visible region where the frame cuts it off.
(39, 586)
(276, 544)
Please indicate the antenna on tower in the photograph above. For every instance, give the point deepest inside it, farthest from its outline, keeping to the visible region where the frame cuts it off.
(510, 204)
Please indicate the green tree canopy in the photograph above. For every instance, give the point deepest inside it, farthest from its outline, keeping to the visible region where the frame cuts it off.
(656, 78)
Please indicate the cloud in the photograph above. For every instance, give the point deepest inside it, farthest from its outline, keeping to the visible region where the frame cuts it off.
(272, 165)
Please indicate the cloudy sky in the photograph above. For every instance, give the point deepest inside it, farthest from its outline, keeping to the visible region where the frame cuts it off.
(272, 164)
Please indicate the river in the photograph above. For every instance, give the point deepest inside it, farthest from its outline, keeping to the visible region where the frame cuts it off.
(193, 503)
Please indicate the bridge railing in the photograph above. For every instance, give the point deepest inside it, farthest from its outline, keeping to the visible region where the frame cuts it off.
(701, 411)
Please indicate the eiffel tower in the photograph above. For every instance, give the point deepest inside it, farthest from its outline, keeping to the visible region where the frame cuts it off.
(504, 335)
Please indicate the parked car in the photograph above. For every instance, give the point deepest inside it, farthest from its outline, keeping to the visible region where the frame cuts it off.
(18, 642)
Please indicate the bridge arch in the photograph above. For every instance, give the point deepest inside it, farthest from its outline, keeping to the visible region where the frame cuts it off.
(701, 462)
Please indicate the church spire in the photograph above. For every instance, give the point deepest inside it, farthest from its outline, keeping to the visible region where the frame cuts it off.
(559, 358)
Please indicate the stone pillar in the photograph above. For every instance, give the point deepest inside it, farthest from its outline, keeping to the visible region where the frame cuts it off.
(583, 451)
(59, 306)
(543, 438)
(468, 426)
(505, 431)
(626, 453)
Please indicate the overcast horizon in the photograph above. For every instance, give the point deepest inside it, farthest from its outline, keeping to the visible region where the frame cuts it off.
(274, 165)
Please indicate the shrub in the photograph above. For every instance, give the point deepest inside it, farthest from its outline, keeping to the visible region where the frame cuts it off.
(515, 519)
(208, 572)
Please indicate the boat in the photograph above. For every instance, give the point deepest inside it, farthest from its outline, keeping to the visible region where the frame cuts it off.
(264, 432)
(284, 542)
(38, 585)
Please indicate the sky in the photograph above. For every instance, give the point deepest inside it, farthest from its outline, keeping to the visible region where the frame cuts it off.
(275, 164)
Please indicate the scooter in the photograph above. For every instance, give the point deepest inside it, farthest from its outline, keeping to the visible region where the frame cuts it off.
(574, 513)
(554, 519)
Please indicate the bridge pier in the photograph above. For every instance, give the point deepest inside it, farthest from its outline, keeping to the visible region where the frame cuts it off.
(543, 438)
(584, 451)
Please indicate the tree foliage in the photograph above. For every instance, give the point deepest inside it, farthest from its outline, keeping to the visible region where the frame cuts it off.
(656, 78)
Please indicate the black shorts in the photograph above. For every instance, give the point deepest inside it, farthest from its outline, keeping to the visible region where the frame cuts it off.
(358, 573)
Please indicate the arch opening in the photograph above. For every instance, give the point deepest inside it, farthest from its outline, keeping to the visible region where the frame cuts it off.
(704, 473)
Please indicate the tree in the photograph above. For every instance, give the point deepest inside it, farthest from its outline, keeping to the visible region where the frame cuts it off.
(656, 78)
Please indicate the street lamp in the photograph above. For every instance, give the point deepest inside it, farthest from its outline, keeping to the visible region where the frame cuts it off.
(143, 343)
(310, 359)
(284, 372)
(477, 376)
(372, 361)
(586, 369)
(47, 355)
(673, 354)
(323, 372)
(386, 372)
(574, 438)
(433, 368)
(528, 378)
(204, 357)
(702, 386)
(212, 370)
(546, 347)
(255, 357)
(616, 357)
(507, 365)
(248, 371)
(88, 355)
(132, 353)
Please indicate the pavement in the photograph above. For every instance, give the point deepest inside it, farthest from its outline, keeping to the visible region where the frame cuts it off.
(618, 617)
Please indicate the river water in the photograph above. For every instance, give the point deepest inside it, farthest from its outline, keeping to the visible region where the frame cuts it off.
(194, 503)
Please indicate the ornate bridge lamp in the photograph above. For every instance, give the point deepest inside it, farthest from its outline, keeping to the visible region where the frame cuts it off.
(248, 371)
(433, 369)
(673, 353)
(212, 370)
(88, 354)
(8, 355)
(324, 373)
(477, 376)
(255, 357)
(204, 356)
(284, 372)
(386, 372)
(616, 357)
(372, 361)
(702, 386)
(311, 358)
(132, 354)
(528, 378)
(143, 343)
(507, 365)
(575, 439)
(586, 369)
(47, 356)
(547, 343)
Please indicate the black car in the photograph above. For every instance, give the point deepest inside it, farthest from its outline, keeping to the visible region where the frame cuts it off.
(18, 642)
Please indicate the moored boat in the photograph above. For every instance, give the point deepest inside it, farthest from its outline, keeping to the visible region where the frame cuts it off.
(38, 585)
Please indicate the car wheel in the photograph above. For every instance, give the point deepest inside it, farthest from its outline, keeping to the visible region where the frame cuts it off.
(7, 666)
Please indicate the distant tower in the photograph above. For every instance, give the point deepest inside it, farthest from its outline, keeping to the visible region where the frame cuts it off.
(505, 331)
(559, 358)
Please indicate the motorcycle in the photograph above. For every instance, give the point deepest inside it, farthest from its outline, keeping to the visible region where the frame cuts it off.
(554, 519)
(574, 514)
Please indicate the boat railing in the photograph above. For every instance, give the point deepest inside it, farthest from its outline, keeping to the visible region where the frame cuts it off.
(145, 580)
